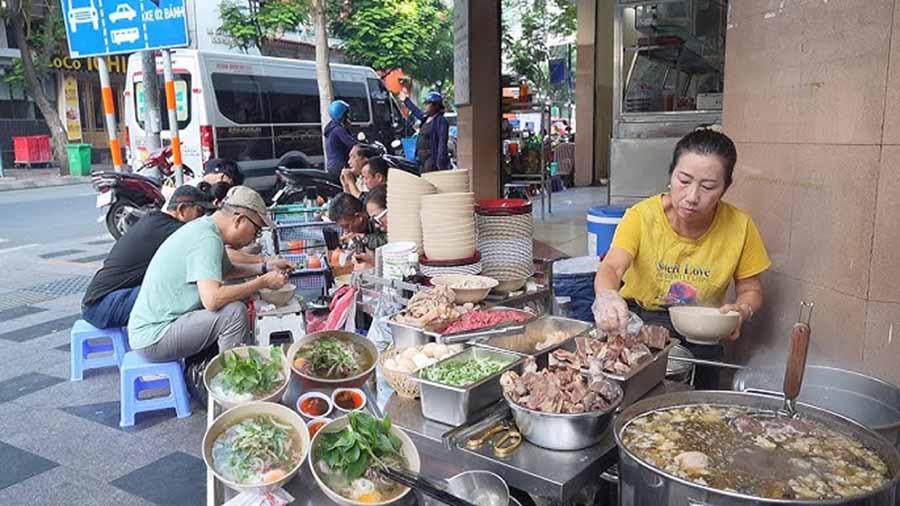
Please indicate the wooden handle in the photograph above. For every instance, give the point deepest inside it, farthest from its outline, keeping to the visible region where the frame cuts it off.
(796, 362)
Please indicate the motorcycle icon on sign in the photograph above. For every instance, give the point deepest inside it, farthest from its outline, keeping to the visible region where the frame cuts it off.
(123, 12)
(124, 36)
(83, 12)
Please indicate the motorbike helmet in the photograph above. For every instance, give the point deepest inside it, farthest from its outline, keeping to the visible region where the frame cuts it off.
(434, 97)
(338, 110)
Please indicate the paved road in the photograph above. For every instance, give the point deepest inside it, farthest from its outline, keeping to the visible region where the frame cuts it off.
(47, 215)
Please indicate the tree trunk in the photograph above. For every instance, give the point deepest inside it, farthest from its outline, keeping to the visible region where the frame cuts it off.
(35, 87)
(323, 68)
(152, 112)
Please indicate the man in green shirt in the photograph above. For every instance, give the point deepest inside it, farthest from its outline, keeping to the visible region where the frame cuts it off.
(184, 306)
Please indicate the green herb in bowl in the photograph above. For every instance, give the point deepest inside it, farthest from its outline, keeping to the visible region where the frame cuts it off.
(460, 373)
(245, 378)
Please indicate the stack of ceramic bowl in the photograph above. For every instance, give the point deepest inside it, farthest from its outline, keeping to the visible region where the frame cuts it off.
(448, 225)
(434, 268)
(404, 200)
(449, 181)
(505, 240)
(399, 259)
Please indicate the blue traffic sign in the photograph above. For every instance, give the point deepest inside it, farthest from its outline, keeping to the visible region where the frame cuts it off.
(102, 27)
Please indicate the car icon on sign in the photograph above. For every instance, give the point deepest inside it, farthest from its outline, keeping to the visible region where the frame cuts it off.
(124, 35)
(122, 12)
(81, 12)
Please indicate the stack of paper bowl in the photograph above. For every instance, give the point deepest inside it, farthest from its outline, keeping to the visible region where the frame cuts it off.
(448, 225)
(505, 239)
(404, 200)
(449, 181)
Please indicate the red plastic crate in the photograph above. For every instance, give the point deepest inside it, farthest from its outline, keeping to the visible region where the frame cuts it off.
(32, 149)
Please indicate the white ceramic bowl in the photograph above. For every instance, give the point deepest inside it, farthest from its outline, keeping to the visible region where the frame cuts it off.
(464, 295)
(284, 414)
(315, 395)
(703, 325)
(407, 449)
(279, 297)
(356, 391)
(217, 364)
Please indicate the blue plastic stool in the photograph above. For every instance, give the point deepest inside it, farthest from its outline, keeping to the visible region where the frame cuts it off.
(114, 346)
(134, 368)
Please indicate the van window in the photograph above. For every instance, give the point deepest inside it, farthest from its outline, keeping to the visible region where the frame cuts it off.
(381, 107)
(293, 100)
(240, 98)
(354, 94)
(182, 101)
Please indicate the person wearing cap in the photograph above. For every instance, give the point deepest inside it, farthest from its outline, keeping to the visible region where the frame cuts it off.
(338, 141)
(431, 146)
(114, 288)
(219, 170)
(185, 306)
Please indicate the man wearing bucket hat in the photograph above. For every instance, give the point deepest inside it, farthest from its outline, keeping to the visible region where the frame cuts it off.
(184, 306)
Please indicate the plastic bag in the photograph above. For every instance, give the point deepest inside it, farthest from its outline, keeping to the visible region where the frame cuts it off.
(277, 497)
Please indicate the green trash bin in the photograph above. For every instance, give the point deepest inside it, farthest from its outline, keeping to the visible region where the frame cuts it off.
(79, 159)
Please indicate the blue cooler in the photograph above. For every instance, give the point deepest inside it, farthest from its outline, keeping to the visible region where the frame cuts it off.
(601, 226)
(574, 278)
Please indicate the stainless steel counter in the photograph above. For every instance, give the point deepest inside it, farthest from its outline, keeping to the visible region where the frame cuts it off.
(554, 475)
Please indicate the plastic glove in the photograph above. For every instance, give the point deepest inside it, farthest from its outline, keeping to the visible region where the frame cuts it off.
(610, 312)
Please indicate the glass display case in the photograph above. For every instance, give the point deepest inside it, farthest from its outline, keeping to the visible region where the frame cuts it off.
(668, 79)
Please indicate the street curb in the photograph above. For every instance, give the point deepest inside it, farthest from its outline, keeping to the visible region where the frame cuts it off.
(27, 184)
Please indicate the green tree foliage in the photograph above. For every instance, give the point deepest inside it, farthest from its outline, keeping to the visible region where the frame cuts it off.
(256, 23)
(413, 35)
(527, 53)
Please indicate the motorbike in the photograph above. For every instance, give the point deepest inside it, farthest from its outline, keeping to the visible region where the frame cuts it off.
(129, 196)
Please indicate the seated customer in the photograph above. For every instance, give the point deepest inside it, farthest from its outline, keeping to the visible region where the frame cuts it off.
(350, 177)
(114, 288)
(376, 209)
(374, 174)
(184, 306)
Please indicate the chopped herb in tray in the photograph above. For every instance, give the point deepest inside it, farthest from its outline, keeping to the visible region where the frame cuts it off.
(459, 373)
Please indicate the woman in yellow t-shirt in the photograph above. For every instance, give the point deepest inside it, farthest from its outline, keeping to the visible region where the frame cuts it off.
(685, 246)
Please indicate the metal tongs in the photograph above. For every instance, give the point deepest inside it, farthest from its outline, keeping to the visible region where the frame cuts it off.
(425, 485)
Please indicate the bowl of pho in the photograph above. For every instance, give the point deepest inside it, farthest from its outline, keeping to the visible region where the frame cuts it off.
(333, 359)
(246, 374)
(257, 446)
(347, 473)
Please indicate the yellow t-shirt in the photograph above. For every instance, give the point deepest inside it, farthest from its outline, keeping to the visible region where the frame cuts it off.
(669, 269)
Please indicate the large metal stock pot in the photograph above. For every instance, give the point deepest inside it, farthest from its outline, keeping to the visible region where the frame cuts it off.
(641, 484)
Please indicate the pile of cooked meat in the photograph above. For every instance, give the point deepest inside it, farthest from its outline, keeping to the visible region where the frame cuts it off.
(561, 389)
(617, 355)
(434, 307)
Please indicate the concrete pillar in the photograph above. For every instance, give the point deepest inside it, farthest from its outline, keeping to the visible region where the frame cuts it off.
(479, 122)
(593, 90)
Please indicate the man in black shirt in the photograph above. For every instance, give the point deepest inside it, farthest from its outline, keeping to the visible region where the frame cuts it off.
(114, 288)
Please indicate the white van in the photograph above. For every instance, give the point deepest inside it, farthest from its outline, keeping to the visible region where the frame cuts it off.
(257, 110)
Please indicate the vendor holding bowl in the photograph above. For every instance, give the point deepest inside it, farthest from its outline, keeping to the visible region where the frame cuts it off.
(684, 248)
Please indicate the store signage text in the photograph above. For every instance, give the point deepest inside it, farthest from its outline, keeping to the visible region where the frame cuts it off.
(116, 64)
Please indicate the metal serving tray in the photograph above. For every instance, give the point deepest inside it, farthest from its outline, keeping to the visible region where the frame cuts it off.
(405, 335)
(524, 342)
(456, 405)
(641, 379)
